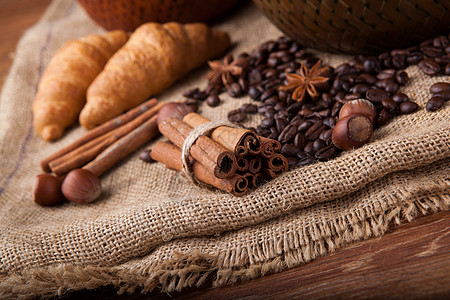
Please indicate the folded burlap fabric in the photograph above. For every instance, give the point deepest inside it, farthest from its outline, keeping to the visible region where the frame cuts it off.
(152, 229)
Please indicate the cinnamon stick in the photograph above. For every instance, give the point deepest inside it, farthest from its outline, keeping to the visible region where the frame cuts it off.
(277, 162)
(99, 131)
(170, 155)
(269, 146)
(86, 152)
(240, 141)
(123, 147)
(242, 164)
(254, 164)
(220, 161)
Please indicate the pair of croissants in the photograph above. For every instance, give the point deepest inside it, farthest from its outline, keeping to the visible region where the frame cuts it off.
(98, 77)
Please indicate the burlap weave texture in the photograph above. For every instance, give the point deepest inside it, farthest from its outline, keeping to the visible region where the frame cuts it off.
(153, 228)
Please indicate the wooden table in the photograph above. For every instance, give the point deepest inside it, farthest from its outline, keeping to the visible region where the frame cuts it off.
(410, 261)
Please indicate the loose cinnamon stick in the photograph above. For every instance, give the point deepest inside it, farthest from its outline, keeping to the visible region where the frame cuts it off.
(86, 152)
(123, 147)
(220, 161)
(269, 146)
(81, 155)
(240, 141)
(170, 155)
(99, 131)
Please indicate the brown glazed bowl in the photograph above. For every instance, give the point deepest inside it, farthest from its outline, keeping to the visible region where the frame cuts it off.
(358, 26)
(129, 14)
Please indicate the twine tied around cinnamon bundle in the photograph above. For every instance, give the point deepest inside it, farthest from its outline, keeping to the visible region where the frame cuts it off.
(203, 129)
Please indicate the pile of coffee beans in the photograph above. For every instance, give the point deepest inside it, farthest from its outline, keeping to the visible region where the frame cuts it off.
(304, 128)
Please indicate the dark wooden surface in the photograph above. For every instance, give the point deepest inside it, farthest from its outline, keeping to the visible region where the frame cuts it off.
(411, 261)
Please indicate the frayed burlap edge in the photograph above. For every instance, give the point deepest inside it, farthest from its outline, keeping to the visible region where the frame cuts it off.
(193, 269)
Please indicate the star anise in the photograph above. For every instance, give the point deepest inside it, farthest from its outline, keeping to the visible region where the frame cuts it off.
(307, 82)
(226, 71)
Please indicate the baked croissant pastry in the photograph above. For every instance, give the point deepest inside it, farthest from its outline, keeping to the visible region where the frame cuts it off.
(155, 56)
(62, 88)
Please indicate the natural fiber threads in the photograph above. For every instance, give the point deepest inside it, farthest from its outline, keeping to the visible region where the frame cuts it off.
(203, 129)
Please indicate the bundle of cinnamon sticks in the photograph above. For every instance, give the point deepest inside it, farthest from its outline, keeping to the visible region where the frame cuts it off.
(231, 159)
(102, 147)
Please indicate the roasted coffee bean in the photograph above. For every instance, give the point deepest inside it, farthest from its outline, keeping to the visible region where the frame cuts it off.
(237, 116)
(431, 51)
(435, 103)
(318, 144)
(292, 162)
(360, 88)
(395, 52)
(249, 108)
(213, 100)
(371, 65)
(306, 113)
(408, 107)
(266, 94)
(366, 78)
(306, 161)
(442, 60)
(387, 73)
(326, 153)
(447, 69)
(399, 61)
(190, 93)
(336, 108)
(444, 95)
(254, 76)
(280, 124)
(267, 123)
(309, 149)
(243, 83)
(402, 77)
(300, 140)
(382, 117)
(289, 150)
(288, 134)
(429, 67)
(193, 104)
(439, 87)
(294, 107)
(376, 95)
(326, 135)
(414, 58)
(314, 131)
(440, 42)
(235, 90)
(390, 105)
(200, 95)
(254, 93)
(400, 97)
(330, 122)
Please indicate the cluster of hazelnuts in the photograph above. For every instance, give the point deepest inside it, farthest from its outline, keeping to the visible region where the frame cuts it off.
(355, 125)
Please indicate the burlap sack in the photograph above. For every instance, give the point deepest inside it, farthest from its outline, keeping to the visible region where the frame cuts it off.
(152, 229)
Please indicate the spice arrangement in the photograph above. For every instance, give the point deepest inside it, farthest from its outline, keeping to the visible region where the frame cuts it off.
(228, 158)
(316, 111)
(311, 111)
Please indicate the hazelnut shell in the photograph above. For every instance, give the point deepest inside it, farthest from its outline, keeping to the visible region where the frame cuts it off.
(81, 186)
(173, 110)
(352, 132)
(47, 190)
(358, 107)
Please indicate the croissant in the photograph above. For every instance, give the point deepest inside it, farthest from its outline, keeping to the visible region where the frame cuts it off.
(155, 56)
(62, 88)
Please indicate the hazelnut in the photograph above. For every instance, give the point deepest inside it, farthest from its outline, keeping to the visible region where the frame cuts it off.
(47, 190)
(352, 132)
(173, 110)
(81, 186)
(358, 107)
